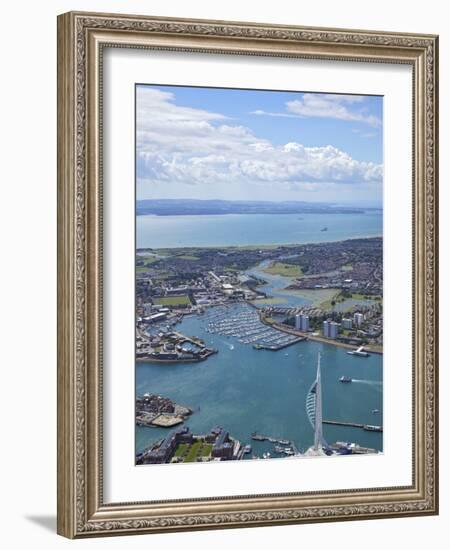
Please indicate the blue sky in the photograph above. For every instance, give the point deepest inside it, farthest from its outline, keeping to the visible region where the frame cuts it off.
(241, 144)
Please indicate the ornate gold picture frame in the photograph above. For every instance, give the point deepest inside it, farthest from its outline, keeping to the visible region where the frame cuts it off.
(82, 39)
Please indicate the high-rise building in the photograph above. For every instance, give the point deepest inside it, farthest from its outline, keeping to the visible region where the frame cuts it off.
(326, 328)
(347, 323)
(358, 318)
(305, 323)
(302, 322)
(333, 329)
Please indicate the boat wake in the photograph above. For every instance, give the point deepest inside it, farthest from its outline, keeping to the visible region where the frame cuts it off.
(228, 344)
(368, 382)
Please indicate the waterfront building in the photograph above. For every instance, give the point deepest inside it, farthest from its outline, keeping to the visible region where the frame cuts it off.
(333, 330)
(165, 451)
(358, 318)
(305, 323)
(302, 322)
(347, 323)
(326, 328)
(223, 446)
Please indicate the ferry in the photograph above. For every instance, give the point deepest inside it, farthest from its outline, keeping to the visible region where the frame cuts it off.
(345, 379)
(359, 352)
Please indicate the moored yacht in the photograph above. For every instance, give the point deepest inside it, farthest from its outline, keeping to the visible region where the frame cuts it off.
(359, 352)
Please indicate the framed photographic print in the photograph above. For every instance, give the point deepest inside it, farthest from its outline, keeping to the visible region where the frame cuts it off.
(247, 285)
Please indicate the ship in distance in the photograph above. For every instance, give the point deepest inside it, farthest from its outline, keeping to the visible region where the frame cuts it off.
(345, 379)
(359, 352)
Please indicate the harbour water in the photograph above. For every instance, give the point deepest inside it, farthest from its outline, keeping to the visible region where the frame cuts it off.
(245, 390)
(254, 229)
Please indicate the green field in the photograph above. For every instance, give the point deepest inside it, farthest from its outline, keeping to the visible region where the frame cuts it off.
(173, 301)
(188, 257)
(206, 449)
(181, 449)
(356, 296)
(286, 270)
(193, 452)
(148, 261)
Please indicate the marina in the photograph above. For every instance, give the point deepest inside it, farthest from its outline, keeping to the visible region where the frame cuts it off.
(246, 326)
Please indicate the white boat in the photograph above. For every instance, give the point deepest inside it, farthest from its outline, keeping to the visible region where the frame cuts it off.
(359, 352)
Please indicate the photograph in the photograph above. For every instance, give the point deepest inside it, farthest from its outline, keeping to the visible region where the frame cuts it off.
(258, 274)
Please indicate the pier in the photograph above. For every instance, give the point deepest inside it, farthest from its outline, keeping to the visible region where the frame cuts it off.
(276, 347)
(367, 427)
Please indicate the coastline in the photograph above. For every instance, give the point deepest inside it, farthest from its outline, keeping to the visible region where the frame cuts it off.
(309, 336)
(254, 246)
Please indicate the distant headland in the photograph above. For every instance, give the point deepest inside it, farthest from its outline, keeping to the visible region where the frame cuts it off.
(182, 207)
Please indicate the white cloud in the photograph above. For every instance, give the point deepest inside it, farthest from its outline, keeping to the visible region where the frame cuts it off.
(334, 106)
(190, 146)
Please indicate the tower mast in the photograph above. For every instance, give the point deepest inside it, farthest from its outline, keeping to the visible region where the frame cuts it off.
(318, 436)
